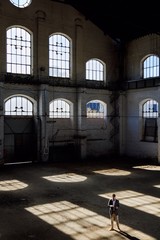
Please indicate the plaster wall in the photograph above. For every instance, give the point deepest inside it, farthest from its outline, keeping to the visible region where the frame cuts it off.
(135, 146)
(94, 136)
(41, 19)
(136, 51)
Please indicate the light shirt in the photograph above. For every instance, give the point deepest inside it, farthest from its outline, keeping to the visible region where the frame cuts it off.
(114, 201)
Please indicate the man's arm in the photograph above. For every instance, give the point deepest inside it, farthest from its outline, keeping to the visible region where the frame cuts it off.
(117, 203)
(110, 203)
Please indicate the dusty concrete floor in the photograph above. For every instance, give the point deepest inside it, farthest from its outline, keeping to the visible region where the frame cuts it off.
(65, 201)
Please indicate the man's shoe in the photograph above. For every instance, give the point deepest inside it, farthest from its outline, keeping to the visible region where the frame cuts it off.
(111, 229)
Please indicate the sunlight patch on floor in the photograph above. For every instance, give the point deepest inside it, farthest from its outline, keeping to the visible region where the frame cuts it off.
(148, 167)
(157, 186)
(140, 201)
(80, 223)
(66, 177)
(11, 185)
(113, 172)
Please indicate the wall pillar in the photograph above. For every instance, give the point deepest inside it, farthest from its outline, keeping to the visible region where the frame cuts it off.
(79, 74)
(158, 154)
(43, 114)
(122, 124)
(1, 124)
(80, 135)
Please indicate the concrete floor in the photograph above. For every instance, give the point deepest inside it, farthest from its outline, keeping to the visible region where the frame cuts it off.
(65, 201)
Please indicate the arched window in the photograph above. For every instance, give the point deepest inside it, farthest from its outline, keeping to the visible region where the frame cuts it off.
(94, 70)
(21, 3)
(150, 109)
(18, 106)
(59, 56)
(59, 109)
(150, 115)
(96, 109)
(151, 67)
(18, 51)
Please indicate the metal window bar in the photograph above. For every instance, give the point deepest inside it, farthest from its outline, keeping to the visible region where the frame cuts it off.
(150, 109)
(151, 67)
(94, 70)
(59, 56)
(59, 109)
(18, 106)
(18, 51)
(95, 109)
(21, 3)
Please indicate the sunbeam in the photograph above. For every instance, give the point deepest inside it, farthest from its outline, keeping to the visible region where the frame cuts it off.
(78, 222)
(11, 185)
(113, 172)
(140, 201)
(66, 177)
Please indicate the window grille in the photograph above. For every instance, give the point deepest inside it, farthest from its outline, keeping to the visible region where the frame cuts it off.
(94, 70)
(150, 109)
(59, 56)
(18, 106)
(18, 51)
(150, 115)
(151, 67)
(21, 3)
(59, 109)
(95, 109)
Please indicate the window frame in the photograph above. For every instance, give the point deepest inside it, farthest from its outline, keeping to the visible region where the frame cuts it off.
(17, 61)
(21, 113)
(95, 67)
(60, 72)
(20, 5)
(60, 115)
(152, 68)
(149, 123)
(93, 114)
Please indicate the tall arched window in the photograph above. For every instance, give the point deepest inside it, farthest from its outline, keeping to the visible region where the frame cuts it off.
(59, 56)
(59, 108)
(96, 109)
(18, 106)
(18, 51)
(151, 67)
(150, 115)
(94, 70)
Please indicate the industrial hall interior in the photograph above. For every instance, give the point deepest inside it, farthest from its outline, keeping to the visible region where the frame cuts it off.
(78, 80)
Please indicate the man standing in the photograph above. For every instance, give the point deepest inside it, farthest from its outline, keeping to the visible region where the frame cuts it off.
(113, 205)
